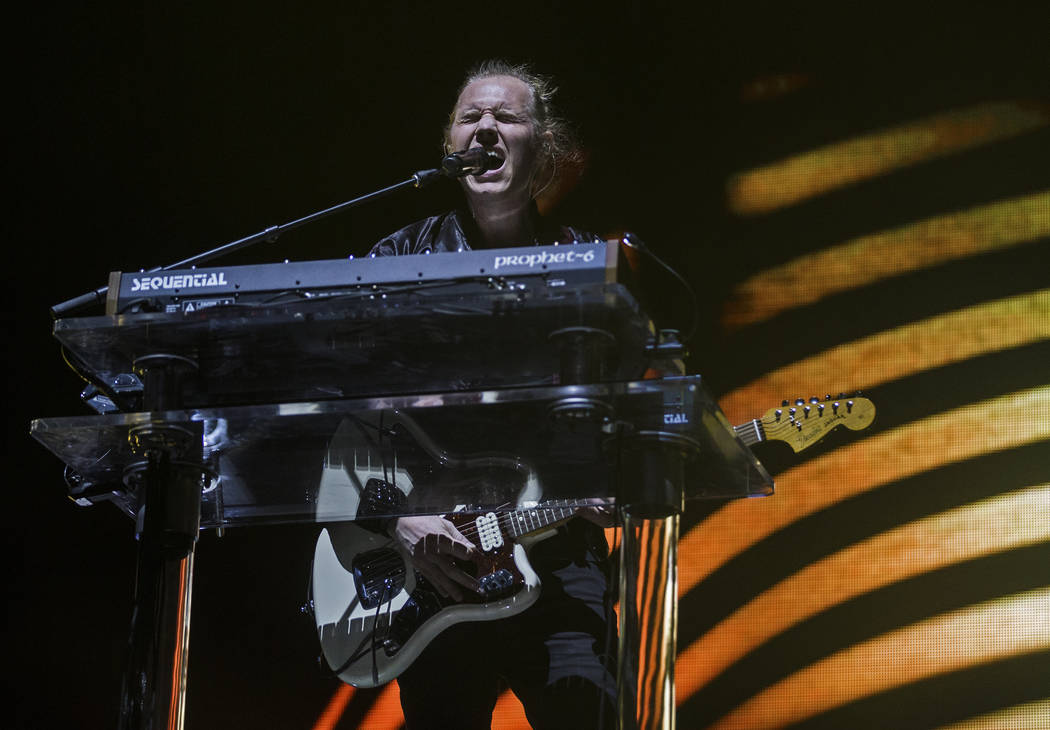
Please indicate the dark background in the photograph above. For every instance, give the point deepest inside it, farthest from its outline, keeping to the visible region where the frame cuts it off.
(147, 133)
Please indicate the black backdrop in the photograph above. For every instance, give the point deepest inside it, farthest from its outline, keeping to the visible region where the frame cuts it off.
(144, 134)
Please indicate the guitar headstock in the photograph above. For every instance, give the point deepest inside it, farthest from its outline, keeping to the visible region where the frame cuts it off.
(802, 423)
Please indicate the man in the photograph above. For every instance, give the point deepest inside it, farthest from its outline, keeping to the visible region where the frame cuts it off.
(506, 109)
(555, 655)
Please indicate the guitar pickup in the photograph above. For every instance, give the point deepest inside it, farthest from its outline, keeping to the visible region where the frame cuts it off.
(379, 575)
(489, 533)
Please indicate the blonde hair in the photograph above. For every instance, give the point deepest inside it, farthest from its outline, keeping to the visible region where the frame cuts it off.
(560, 148)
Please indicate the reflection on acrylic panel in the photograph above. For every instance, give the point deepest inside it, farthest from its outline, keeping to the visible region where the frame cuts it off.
(900, 577)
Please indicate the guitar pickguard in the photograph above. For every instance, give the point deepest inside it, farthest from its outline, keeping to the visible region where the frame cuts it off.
(374, 614)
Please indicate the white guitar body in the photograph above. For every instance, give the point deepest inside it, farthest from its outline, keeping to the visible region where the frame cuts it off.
(357, 641)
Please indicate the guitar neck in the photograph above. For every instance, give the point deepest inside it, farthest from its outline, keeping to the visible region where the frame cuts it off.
(751, 432)
(523, 521)
(801, 426)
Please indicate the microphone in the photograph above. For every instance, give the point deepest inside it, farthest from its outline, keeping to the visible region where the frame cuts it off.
(474, 161)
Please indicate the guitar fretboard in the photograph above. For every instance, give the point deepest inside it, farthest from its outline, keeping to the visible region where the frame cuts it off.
(523, 521)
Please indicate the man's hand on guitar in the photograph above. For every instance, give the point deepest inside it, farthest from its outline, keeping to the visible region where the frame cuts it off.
(599, 511)
(435, 544)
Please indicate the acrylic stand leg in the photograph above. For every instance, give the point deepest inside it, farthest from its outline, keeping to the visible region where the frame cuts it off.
(648, 621)
(155, 680)
(650, 496)
(168, 480)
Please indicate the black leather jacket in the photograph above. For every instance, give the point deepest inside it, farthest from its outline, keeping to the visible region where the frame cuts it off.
(454, 230)
(579, 541)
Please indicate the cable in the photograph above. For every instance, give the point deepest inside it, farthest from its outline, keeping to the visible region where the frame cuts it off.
(629, 240)
(375, 640)
(85, 374)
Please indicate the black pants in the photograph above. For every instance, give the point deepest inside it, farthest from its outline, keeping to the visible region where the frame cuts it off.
(558, 656)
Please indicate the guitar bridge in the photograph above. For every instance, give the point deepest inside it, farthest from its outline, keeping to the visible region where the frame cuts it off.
(495, 584)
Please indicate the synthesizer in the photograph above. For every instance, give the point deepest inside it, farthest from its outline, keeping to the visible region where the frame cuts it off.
(190, 290)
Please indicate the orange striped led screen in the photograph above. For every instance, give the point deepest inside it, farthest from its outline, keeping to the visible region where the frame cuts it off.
(911, 561)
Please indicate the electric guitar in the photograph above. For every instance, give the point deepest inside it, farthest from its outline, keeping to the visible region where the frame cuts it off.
(375, 614)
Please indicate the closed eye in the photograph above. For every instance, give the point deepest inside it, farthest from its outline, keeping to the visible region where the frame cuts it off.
(510, 118)
(506, 117)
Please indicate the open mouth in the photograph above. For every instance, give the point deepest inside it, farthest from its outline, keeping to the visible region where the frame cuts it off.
(503, 161)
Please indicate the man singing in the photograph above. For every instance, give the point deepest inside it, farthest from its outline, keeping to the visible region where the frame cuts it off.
(556, 655)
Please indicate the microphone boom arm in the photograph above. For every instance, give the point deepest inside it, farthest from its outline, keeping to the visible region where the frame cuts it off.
(419, 179)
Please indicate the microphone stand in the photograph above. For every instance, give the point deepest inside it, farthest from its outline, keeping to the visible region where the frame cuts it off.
(418, 180)
(169, 475)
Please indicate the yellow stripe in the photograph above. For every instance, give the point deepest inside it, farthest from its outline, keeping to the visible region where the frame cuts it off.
(1028, 716)
(900, 352)
(819, 171)
(508, 714)
(878, 256)
(336, 707)
(385, 713)
(1019, 518)
(963, 433)
(986, 632)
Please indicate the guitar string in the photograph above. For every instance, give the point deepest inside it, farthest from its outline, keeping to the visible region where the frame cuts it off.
(552, 512)
(776, 430)
(543, 517)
